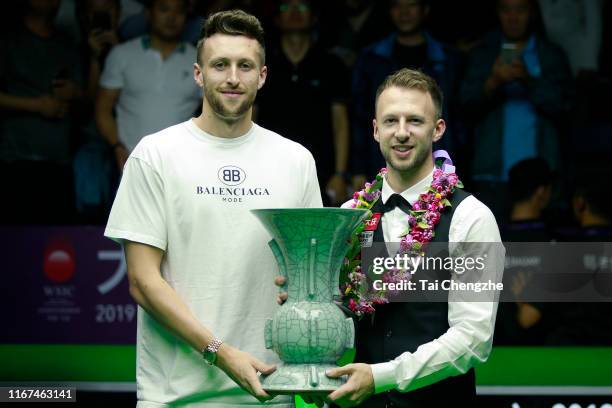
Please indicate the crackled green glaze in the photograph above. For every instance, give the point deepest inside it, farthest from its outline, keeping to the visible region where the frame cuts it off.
(309, 333)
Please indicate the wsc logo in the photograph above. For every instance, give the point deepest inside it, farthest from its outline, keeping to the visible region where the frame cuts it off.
(231, 175)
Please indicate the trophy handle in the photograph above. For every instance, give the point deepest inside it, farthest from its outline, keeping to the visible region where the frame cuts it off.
(350, 328)
(268, 333)
(280, 260)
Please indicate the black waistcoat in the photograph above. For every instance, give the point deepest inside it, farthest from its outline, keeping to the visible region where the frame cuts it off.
(400, 327)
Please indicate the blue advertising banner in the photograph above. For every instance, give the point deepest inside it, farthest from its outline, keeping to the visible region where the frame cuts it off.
(64, 285)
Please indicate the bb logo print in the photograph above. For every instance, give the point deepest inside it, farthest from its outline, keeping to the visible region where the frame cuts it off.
(231, 175)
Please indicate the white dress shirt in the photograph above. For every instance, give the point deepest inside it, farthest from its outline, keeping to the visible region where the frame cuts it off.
(469, 338)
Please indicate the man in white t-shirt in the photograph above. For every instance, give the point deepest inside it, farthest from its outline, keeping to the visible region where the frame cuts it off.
(198, 261)
(147, 81)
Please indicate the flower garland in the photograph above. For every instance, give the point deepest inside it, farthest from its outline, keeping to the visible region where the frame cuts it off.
(422, 220)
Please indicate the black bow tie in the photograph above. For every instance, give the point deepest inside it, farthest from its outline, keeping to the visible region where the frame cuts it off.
(396, 200)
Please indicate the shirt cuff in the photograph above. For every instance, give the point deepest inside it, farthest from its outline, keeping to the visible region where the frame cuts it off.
(384, 377)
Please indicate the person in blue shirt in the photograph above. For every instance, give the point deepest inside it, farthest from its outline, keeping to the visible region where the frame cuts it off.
(409, 46)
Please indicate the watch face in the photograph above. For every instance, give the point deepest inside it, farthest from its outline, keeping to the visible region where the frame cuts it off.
(210, 352)
(210, 357)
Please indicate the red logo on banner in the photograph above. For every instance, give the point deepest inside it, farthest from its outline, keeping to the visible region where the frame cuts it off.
(58, 263)
(372, 223)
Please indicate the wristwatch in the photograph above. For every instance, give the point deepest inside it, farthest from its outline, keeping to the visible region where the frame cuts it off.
(210, 352)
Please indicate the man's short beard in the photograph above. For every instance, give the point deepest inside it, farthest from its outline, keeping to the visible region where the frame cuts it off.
(406, 167)
(417, 162)
(217, 106)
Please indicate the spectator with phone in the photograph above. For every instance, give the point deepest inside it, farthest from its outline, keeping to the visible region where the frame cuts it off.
(95, 175)
(39, 81)
(516, 89)
(147, 81)
(98, 20)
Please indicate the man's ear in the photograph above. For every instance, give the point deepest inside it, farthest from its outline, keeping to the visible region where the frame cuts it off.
(375, 129)
(439, 130)
(263, 74)
(198, 76)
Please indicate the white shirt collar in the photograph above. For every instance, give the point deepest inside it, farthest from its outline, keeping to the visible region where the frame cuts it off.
(412, 193)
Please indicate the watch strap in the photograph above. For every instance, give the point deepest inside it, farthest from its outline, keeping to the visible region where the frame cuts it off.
(210, 352)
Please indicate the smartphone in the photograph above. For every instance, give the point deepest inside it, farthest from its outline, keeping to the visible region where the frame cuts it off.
(101, 20)
(509, 53)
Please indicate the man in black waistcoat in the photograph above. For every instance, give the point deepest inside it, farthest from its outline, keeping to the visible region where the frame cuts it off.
(420, 354)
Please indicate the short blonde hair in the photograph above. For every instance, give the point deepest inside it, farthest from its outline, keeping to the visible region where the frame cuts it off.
(232, 22)
(414, 79)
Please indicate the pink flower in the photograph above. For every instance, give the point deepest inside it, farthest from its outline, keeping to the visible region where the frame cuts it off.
(434, 217)
(358, 299)
(365, 307)
(379, 300)
(368, 197)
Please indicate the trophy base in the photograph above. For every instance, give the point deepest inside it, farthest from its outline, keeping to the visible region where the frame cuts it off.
(301, 379)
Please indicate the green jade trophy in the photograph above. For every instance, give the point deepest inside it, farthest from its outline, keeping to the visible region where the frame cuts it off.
(309, 332)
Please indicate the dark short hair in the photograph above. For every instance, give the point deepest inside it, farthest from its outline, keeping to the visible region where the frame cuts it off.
(232, 22)
(414, 79)
(526, 176)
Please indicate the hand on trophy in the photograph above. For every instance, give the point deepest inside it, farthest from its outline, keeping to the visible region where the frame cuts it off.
(309, 332)
(280, 281)
(359, 387)
(243, 368)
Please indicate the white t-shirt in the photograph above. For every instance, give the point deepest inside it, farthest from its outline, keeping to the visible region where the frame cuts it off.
(576, 26)
(189, 193)
(155, 92)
